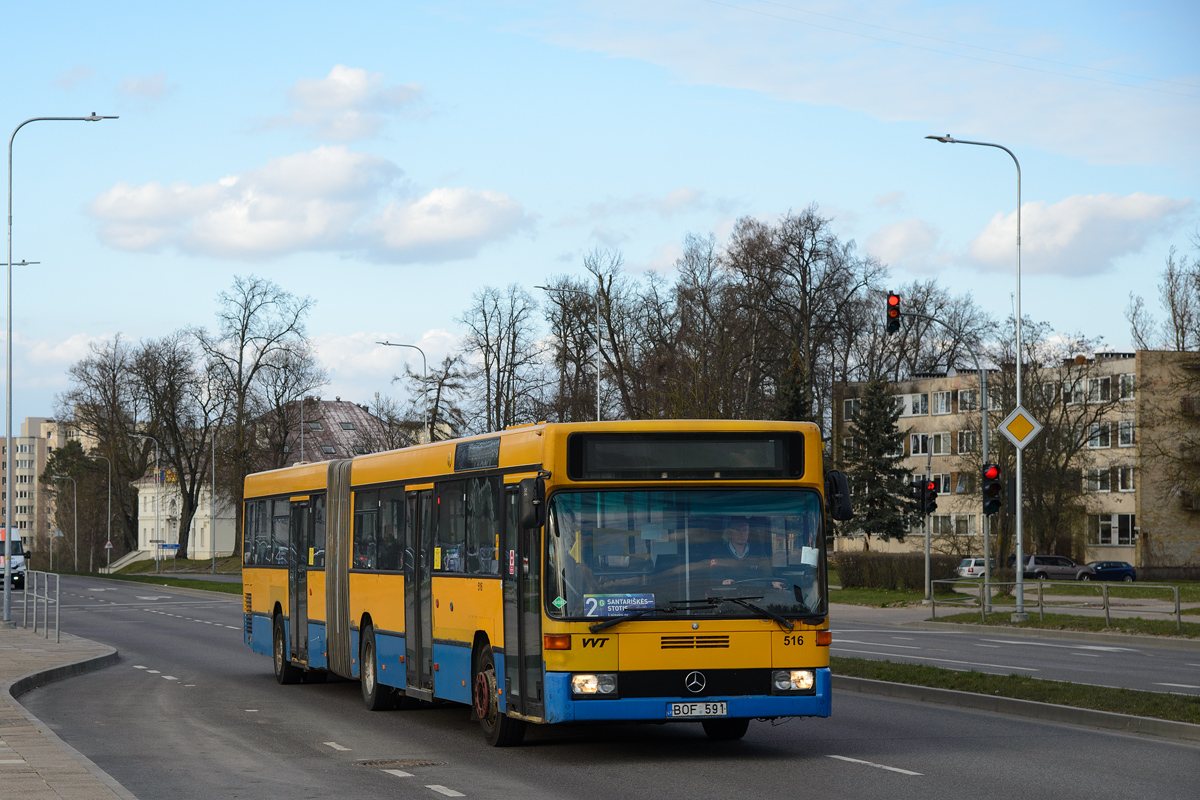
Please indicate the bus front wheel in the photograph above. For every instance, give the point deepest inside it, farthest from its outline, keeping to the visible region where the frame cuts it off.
(725, 730)
(285, 671)
(499, 730)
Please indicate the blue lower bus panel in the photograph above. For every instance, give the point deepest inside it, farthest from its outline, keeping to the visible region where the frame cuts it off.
(257, 634)
(560, 707)
(452, 680)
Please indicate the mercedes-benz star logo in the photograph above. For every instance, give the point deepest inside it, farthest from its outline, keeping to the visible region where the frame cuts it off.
(694, 682)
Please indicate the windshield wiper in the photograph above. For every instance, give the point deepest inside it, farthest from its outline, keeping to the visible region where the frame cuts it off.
(744, 602)
(641, 612)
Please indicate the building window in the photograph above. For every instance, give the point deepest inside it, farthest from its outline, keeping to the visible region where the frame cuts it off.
(920, 444)
(917, 406)
(358, 448)
(347, 426)
(1125, 433)
(1125, 526)
(968, 400)
(940, 443)
(941, 402)
(1099, 389)
(851, 407)
(1099, 436)
(966, 442)
(965, 483)
(964, 524)
(315, 426)
(1099, 480)
(1125, 387)
(1100, 529)
(1125, 479)
(942, 481)
(327, 449)
(1072, 392)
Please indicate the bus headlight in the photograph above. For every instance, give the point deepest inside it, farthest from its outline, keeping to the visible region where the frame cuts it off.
(793, 680)
(590, 684)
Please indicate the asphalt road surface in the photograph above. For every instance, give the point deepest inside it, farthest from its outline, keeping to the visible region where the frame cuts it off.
(190, 712)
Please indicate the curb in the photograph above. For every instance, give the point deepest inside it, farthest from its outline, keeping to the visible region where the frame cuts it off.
(26, 683)
(1127, 639)
(1027, 709)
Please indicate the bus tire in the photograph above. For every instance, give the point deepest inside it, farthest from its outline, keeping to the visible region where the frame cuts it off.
(285, 671)
(725, 730)
(377, 696)
(499, 730)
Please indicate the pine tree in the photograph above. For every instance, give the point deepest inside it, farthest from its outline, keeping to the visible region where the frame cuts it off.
(880, 484)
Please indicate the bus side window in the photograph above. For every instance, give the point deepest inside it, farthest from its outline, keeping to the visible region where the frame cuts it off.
(450, 552)
(366, 523)
(391, 528)
(280, 519)
(483, 526)
(318, 543)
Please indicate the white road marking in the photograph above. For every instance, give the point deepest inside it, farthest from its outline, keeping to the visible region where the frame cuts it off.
(154, 597)
(942, 660)
(170, 678)
(994, 646)
(1178, 685)
(1192, 665)
(399, 773)
(1070, 646)
(880, 644)
(138, 666)
(903, 638)
(443, 790)
(873, 764)
(252, 710)
(233, 628)
(92, 589)
(153, 671)
(12, 761)
(1087, 655)
(335, 746)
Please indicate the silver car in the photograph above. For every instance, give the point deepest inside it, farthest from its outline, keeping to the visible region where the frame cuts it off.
(1057, 568)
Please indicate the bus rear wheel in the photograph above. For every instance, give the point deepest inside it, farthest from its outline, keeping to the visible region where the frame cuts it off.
(285, 671)
(377, 696)
(725, 730)
(499, 730)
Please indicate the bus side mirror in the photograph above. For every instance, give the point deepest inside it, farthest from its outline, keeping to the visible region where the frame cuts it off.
(837, 495)
(533, 502)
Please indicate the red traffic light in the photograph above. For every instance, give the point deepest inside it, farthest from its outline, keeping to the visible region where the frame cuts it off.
(893, 312)
(991, 472)
(893, 300)
(931, 486)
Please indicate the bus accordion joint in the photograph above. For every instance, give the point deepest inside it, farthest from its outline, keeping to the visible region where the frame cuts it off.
(824, 638)
(557, 641)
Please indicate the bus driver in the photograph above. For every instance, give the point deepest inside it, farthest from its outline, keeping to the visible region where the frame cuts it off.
(736, 558)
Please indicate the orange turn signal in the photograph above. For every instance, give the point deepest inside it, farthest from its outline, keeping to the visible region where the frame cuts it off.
(824, 638)
(557, 641)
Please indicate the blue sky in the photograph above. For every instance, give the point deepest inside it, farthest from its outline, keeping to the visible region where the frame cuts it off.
(390, 159)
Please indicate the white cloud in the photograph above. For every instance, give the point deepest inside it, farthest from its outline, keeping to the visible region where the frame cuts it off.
(149, 87)
(347, 104)
(327, 199)
(959, 68)
(1081, 235)
(359, 366)
(910, 244)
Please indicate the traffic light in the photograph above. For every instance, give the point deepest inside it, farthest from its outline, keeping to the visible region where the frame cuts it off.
(993, 488)
(893, 312)
(917, 493)
(931, 494)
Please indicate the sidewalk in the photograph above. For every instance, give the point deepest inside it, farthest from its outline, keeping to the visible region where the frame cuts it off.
(34, 763)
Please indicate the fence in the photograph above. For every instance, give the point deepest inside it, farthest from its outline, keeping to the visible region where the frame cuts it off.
(985, 608)
(31, 588)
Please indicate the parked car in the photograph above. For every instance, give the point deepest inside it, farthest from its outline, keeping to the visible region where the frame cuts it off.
(1113, 571)
(973, 568)
(1056, 568)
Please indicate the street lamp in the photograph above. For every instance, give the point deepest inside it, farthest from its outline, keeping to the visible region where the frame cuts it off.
(108, 541)
(93, 117)
(581, 291)
(948, 139)
(75, 510)
(424, 380)
(157, 494)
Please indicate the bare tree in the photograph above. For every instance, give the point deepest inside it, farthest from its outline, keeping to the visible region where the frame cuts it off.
(288, 377)
(395, 428)
(501, 347)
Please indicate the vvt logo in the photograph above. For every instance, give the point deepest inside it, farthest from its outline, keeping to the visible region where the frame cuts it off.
(590, 642)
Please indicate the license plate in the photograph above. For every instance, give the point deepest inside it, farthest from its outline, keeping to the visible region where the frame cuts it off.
(685, 710)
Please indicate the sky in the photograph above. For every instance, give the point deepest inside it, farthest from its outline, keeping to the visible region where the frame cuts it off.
(391, 159)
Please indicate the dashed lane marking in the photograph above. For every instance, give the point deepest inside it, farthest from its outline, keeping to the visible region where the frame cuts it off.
(154, 671)
(1087, 655)
(1178, 685)
(881, 644)
(1102, 648)
(443, 790)
(138, 666)
(399, 773)
(993, 646)
(335, 746)
(876, 766)
(940, 660)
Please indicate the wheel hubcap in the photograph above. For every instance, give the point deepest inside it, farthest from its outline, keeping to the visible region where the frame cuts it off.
(486, 707)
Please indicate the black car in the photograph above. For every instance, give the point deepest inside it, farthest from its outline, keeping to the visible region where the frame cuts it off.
(1113, 571)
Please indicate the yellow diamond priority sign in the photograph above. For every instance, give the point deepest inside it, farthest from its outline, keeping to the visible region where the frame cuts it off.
(1020, 427)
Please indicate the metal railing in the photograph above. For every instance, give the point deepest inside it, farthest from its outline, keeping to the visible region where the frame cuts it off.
(31, 588)
(985, 605)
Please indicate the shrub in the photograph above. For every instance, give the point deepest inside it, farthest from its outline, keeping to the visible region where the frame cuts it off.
(902, 571)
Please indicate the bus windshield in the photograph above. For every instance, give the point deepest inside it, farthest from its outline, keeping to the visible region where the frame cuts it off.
(685, 552)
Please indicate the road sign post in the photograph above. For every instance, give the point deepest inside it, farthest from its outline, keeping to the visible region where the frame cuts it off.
(1020, 428)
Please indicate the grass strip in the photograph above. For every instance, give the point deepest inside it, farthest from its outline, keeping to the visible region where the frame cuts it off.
(1159, 705)
(1064, 622)
(887, 598)
(183, 583)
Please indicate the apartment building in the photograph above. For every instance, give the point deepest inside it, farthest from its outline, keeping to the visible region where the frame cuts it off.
(1135, 510)
(33, 507)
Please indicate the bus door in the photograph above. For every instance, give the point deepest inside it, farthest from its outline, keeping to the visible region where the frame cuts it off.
(522, 612)
(418, 594)
(300, 535)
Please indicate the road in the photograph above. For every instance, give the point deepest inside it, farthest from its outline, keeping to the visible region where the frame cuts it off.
(189, 712)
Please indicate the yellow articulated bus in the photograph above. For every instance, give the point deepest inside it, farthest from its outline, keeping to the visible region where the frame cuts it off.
(639, 571)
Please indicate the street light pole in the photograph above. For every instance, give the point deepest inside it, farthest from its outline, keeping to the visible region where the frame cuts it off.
(75, 510)
(93, 117)
(580, 291)
(108, 541)
(1019, 565)
(424, 380)
(157, 494)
